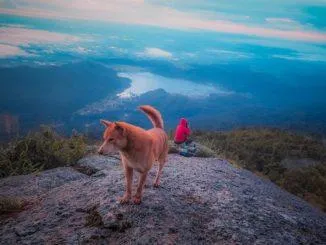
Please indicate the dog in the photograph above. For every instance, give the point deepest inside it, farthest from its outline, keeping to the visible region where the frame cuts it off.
(138, 148)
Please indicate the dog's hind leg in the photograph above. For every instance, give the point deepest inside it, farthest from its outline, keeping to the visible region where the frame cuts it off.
(159, 172)
(162, 160)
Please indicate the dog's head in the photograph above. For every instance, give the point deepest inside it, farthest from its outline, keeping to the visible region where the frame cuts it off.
(114, 138)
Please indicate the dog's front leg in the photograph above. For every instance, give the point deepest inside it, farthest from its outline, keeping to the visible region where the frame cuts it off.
(128, 177)
(141, 183)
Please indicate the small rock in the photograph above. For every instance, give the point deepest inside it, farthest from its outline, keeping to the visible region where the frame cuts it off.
(26, 230)
(119, 216)
(173, 230)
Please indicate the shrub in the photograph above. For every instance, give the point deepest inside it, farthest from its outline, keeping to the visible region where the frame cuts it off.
(39, 151)
(308, 183)
(262, 149)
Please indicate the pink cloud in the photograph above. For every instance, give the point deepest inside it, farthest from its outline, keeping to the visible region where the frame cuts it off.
(8, 51)
(24, 36)
(14, 39)
(142, 13)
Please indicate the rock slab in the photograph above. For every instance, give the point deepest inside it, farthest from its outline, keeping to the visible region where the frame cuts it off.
(200, 201)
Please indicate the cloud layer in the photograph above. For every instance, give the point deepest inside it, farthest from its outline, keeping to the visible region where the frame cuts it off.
(7, 51)
(24, 36)
(144, 13)
(13, 39)
(155, 53)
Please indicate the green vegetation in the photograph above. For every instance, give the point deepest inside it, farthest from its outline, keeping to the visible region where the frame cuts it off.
(39, 151)
(266, 152)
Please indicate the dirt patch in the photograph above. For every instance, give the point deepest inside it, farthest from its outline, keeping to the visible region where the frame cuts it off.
(93, 219)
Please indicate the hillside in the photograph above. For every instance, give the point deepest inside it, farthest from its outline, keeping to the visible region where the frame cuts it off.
(295, 162)
(200, 201)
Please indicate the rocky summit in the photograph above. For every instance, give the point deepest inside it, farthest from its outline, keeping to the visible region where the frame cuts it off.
(200, 201)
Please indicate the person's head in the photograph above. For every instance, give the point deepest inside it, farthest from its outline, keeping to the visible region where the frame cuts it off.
(184, 122)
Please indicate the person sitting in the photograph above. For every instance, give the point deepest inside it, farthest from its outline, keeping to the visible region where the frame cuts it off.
(182, 133)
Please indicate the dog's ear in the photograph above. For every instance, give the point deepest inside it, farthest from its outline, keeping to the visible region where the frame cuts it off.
(105, 123)
(120, 128)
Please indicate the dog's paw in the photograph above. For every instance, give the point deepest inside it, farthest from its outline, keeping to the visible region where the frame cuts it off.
(137, 200)
(156, 185)
(124, 199)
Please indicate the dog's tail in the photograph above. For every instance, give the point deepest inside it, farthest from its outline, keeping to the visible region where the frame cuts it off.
(153, 115)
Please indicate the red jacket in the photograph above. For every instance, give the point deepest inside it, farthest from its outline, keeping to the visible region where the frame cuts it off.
(182, 132)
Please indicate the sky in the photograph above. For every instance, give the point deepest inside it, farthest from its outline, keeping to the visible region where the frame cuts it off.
(250, 49)
(300, 24)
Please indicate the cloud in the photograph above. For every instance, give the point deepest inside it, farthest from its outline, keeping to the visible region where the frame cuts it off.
(118, 50)
(296, 47)
(142, 82)
(13, 25)
(228, 54)
(40, 63)
(9, 51)
(144, 13)
(24, 36)
(279, 20)
(190, 55)
(14, 39)
(302, 57)
(155, 53)
(81, 50)
(287, 24)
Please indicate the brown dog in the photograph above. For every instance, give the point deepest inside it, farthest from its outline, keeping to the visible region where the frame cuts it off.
(138, 148)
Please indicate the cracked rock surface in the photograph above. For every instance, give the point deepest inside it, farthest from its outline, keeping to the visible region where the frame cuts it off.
(200, 201)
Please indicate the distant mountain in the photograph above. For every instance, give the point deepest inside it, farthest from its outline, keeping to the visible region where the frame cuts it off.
(56, 89)
(214, 112)
(77, 95)
(49, 95)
